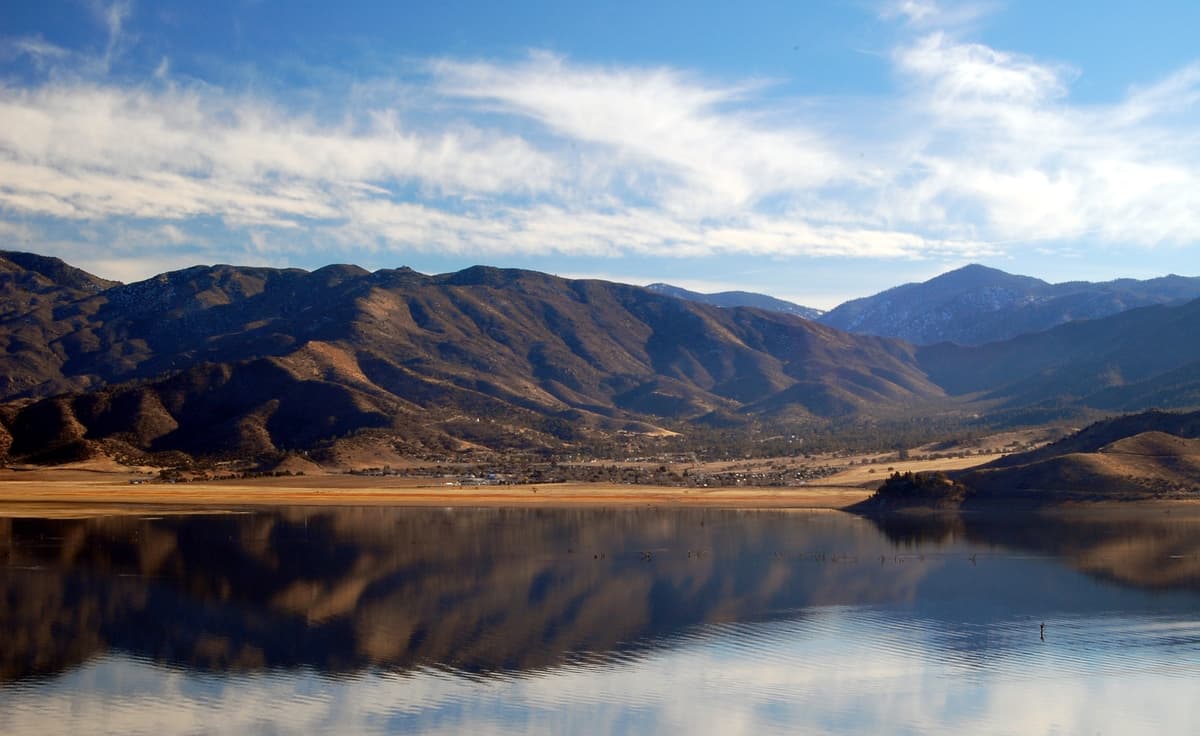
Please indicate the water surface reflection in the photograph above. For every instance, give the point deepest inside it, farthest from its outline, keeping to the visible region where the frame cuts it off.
(376, 619)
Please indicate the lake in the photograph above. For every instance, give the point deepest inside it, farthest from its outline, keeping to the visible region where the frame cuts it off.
(376, 620)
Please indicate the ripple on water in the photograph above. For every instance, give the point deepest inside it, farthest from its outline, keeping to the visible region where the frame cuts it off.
(927, 639)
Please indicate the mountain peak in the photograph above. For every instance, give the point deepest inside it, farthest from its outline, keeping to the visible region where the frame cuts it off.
(977, 304)
(57, 271)
(251, 362)
(976, 276)
(487, 276)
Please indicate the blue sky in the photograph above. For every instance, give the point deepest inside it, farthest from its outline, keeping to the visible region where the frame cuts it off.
(816, 151)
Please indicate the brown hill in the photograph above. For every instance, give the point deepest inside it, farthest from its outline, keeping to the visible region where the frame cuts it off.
(221, 360)
(29, 281)
(1154, 444)
(33, 291)
(1099, 435)
(230, 360)
(1154, 454)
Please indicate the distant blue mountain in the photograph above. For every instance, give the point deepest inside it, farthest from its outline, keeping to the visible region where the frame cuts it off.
(975, 304)
(737, 299)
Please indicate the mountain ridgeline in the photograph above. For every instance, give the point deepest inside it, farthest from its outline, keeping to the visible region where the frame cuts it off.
(228, 360)
(235, 361)
(738, 299)
(975, 305)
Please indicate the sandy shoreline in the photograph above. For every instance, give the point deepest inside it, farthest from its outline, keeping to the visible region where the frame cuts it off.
(97, 490)
(90, 488)
(28, 491)
(102, 495)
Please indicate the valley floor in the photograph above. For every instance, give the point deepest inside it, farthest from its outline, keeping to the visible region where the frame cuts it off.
(27, 495)
(83, 488)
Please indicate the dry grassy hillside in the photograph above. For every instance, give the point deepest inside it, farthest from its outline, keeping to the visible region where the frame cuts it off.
(1154, 454)
(249, 361)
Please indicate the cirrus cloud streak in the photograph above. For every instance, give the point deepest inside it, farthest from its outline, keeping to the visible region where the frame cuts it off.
(978, 151)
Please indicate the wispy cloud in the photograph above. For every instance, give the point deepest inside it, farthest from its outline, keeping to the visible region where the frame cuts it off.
(977, 151)
(112, 16)
(1007, 155)
(700, 144)
(34, 47)
(929, 14)
(85, 150)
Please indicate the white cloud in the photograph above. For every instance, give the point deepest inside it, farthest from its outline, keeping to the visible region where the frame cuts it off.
(953, 74)
(978, 152)
(698, 140)
(555, 230)
(231, 140)
(1007, 157)
(87, 151)
(926, 14)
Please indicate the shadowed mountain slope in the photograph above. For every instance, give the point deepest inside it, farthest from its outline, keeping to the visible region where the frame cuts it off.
(246, 361)
(975, 304)
(1126, 362)
(26, 276)
(34, 291)
(228, 359)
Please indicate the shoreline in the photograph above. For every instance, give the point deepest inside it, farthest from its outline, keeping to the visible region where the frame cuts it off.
(105, 484)
(95, 489)
(26, 491)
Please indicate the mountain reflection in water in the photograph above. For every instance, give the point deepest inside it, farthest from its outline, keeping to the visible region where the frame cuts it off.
(495, 594)
(476, 590)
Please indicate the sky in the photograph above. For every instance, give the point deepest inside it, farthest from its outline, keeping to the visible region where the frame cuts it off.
(816, 151)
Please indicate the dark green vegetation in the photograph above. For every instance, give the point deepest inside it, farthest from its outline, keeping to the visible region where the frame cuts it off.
(918, 490)
(231, 362)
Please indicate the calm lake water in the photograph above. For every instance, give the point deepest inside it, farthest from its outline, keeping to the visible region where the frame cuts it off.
(370, 620)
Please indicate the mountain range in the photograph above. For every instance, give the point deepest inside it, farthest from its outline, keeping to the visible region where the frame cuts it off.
(222, 359)
(971, 305)
(975, 304)
(236, 361)
(738, 299)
